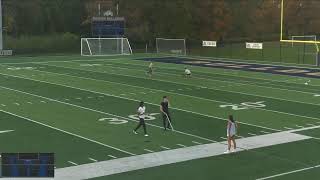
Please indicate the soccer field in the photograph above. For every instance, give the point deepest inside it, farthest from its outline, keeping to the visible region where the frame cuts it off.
(83, 109)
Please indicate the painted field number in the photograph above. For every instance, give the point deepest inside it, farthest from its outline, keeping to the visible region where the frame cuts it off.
(115, 121)
(244, 105)
(148, 117)
(119, 121)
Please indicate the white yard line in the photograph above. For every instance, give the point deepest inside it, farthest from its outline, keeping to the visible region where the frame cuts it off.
(181, 145)
(164, 147)
(311, 125)
(196, 142)
(217, 73)
(280, 112)
(148, 150)
(290, 172)
(146, 102)
(304, 129)
(140, 77)
(73, 134)
(94, 160)
(113, 157)
(121, 165)
(180, 132)
(73, 163)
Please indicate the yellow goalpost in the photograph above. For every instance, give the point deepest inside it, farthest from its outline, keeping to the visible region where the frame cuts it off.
(296, 41)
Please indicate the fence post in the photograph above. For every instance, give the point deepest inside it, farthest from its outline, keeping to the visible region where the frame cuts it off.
(318, 59)
(280, 53)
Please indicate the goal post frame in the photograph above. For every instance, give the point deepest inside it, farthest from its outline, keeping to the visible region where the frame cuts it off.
(121, 39)
(316, 42)
(171, 39)
(282, 27)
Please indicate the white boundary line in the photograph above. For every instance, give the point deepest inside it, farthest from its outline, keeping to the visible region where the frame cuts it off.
(66, 132)
(290, 172)
(140, 162)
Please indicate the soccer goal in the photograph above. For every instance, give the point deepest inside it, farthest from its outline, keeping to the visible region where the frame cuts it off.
(303, 38)
(171, 46)
(105, 46)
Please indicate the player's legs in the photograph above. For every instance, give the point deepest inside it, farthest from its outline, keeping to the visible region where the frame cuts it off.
(144, 126)
(164, 118)
(234, 142)
(169, 119)
(139, 125)
(229, 143)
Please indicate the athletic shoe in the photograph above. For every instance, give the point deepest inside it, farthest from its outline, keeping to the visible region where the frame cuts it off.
(227, 152)
(146, 135)
(135, 132)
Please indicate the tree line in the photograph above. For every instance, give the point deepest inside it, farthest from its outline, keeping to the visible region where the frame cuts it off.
(147, 19)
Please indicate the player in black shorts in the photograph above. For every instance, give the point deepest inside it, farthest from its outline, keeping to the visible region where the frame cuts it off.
(164, 108)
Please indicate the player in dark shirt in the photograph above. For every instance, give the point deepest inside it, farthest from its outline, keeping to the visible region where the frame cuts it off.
(164, 108)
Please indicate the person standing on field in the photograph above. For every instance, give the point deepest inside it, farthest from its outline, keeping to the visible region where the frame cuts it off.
(164, 108)
(141, 114)
(231, 134)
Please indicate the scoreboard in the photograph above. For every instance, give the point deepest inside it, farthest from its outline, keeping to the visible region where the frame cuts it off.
(108, 26)
(27, 165)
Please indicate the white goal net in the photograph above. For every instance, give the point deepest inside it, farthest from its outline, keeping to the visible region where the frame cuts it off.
(171, 46)
(105, 46)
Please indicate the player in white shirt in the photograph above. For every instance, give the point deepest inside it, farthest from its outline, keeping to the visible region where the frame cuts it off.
(141, 114)
(187, 72)
(150, 69)
(231, 134)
